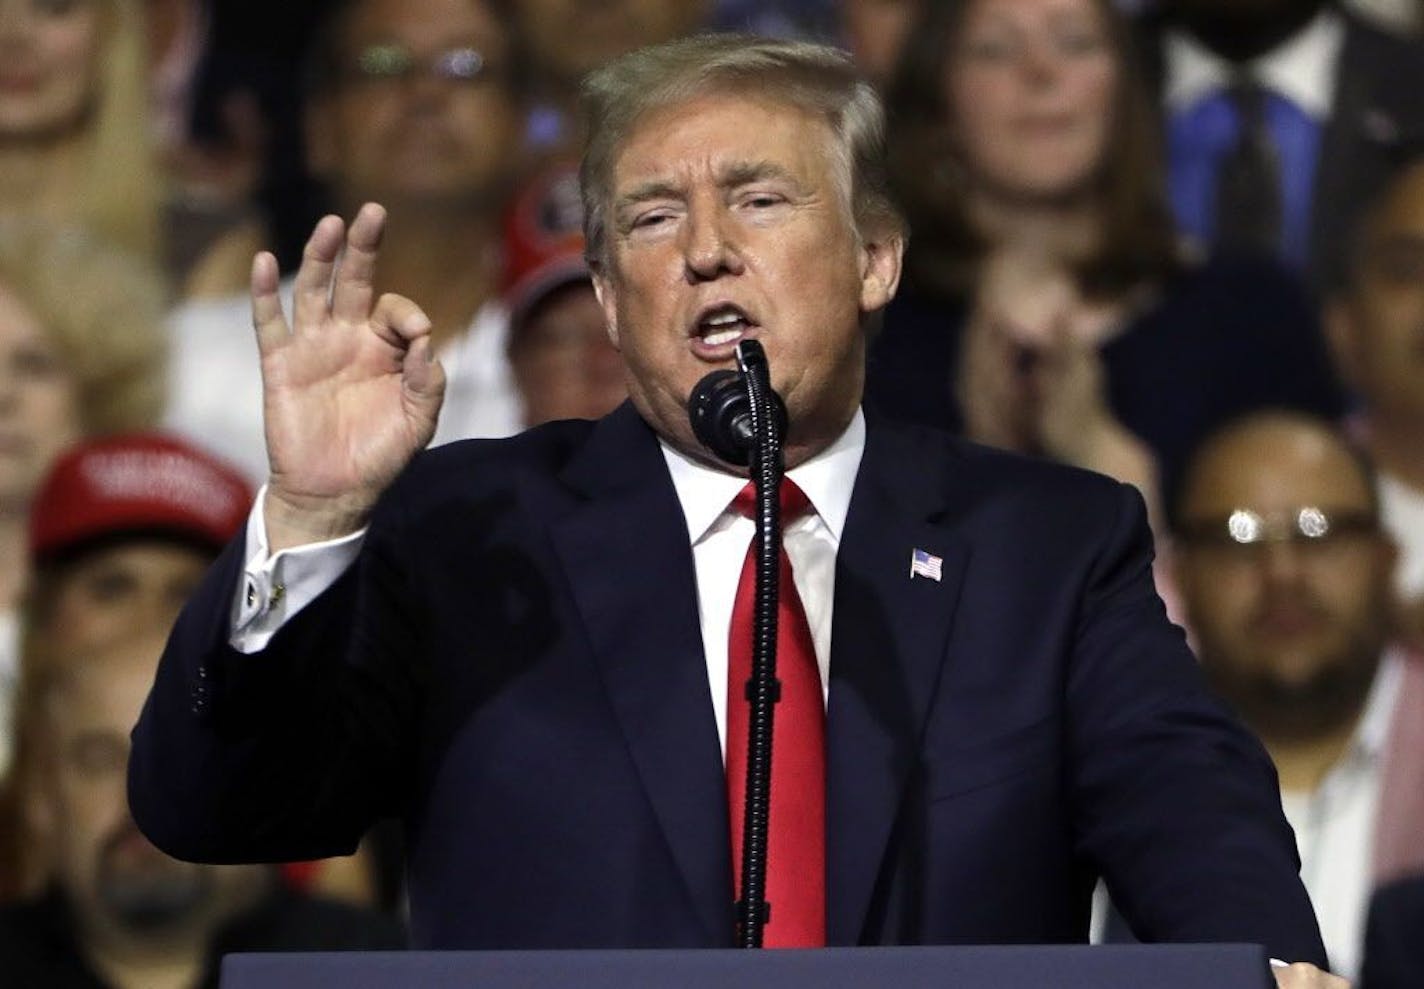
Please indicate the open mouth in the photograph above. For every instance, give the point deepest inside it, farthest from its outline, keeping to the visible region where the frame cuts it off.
(721, 326)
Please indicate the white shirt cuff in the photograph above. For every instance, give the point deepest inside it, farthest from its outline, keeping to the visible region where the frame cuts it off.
(274, 588)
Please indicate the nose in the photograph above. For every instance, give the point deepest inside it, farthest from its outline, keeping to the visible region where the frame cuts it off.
(1282, 563)
(709, 246)
(1039, 63)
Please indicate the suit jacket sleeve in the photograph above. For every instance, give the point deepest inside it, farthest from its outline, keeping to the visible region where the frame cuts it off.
(294, 751)
(1175, 801)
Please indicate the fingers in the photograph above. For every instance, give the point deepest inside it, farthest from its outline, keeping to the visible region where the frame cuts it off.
(312, 291)
(399, 321)
(352, 293)
(267, 317)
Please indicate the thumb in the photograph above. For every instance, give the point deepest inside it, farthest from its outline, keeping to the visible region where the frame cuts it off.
(422, 375)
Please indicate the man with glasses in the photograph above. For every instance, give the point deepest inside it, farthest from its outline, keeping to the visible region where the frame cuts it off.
(1285, 574)
(415, 104)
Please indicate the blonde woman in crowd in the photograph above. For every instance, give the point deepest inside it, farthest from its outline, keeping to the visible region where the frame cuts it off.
(81, 353)
(74, 139)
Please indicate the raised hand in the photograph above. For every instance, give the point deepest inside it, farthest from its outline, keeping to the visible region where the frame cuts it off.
(351, 390)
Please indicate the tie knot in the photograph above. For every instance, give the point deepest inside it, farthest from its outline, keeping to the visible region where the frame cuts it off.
(794, 502)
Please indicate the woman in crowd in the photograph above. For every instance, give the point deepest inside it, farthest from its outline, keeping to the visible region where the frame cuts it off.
(1049, 307)
(75, 146)
(81, 353)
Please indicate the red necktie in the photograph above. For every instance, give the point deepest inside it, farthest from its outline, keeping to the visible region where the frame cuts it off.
(796, 847)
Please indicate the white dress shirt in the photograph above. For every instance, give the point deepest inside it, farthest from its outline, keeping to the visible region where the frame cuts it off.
(1335, 827)
(277, 587)
(1303, 70)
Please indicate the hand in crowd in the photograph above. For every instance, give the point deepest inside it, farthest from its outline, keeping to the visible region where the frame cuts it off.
(351, 391)
(1304, 976)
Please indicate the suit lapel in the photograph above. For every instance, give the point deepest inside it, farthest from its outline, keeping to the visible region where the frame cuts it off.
(625, 551)
(887, 648)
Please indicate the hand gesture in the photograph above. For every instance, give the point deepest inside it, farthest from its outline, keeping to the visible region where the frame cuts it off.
(351, 390)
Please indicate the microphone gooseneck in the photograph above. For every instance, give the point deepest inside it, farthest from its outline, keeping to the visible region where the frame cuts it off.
(741, 419)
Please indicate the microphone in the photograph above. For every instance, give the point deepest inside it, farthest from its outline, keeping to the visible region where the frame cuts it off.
(720, 408)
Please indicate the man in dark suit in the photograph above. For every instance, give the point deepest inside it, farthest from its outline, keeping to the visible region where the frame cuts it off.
(529, 659)
(1282, 119)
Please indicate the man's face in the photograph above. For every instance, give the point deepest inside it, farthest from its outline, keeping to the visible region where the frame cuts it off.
(728, 220)
(1289, 629)
(109, 593)
(1378, 329)
(399, 125)
(114, 878)
(564, 364)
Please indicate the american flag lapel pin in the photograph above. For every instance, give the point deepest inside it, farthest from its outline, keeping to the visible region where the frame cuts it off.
(924, 564)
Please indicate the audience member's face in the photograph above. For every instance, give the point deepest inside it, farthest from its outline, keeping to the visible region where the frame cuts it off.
(720, 230)
(1289, 631)
(418, 138)
(47, 66)
(1030, 88)
(38, 402)
(564, 364)
(117, 882)
(569, 38)
(109, 593)
(1379, 328)
(875, 31)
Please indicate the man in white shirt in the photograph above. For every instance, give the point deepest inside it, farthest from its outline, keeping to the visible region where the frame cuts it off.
(525, 660)
(1285, 574)
(416, 104)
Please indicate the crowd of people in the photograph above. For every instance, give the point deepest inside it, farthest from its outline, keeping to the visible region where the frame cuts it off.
(1176, 242)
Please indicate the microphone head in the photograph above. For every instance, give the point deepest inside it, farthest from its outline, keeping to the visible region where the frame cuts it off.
(721, 414)
(720, 407)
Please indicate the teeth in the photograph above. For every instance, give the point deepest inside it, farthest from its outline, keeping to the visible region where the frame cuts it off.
(725, 336)
(723, 319)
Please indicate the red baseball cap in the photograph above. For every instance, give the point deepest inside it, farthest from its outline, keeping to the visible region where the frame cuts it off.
(543, 239)
(140, 483)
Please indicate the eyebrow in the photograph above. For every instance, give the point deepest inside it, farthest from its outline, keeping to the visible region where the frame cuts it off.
(732, 176)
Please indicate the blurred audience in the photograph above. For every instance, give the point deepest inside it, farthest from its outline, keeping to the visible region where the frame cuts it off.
(1048, 307)
(116, 912)
(213, 167)
(1285, 574)
(1376, 324)
(81, 353)
(75, 144)
(1283, 116)
(565, 39)
(564, 364)
(415, 104)
(874, 31)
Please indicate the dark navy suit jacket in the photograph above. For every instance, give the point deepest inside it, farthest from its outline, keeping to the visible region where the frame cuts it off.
(514, 666)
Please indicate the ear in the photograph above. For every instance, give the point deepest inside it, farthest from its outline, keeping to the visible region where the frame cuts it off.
(882, 254)
(1342, 336)
(608, 301)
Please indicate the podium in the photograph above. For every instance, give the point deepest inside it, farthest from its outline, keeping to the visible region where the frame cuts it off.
(1179, 966)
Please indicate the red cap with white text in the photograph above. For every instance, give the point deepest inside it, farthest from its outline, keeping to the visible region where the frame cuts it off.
(139, 483)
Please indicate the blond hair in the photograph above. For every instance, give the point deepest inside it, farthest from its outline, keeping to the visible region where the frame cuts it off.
(814, 78)
(116, 187)
(104, 311)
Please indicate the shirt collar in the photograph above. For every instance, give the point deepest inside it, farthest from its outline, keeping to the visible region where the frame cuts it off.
(827, 480)
(1302, 69)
